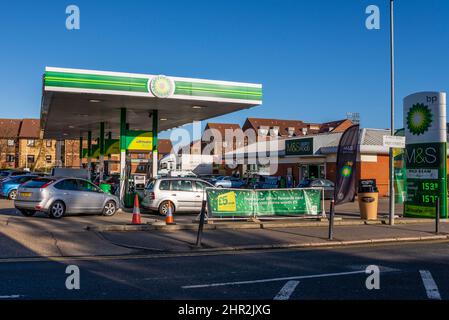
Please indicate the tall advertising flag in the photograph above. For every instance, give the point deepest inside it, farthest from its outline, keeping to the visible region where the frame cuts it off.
(425, 154)
(348, 150)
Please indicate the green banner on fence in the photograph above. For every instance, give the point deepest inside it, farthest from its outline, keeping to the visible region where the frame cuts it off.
(234, 202)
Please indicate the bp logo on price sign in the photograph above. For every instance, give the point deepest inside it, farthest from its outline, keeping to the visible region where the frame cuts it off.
(425, 154)
(419, 119)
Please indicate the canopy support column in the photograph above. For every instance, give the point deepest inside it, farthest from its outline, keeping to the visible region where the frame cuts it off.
(81, 152)
(89, 153)
(122, 153)
(101, 169)
(155, 134)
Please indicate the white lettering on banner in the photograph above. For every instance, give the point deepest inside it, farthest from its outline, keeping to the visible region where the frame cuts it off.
(422, 174)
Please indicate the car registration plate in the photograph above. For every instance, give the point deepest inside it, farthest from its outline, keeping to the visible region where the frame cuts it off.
(25, 194)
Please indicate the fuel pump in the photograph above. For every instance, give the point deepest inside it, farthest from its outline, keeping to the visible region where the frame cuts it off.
(128, 185)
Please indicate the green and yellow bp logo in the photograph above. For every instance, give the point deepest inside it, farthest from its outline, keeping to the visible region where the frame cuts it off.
(419, 119)
(346, 170)
(161, 86)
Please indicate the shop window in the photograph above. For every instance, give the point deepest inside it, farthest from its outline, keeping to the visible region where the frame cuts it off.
(11, 142)
(10, 158)
(31, 142)
(30, 158)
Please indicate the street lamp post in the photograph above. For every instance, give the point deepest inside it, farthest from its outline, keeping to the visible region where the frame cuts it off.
(391, 203)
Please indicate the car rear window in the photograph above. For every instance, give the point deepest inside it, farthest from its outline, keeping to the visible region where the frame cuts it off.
(36, 183)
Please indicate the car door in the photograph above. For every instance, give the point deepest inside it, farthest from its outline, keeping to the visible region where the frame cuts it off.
(182, 191)
(91, 196)
(66, 191)
(236, 182)
(200, 193)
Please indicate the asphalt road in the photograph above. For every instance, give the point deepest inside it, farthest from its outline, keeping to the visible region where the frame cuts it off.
(408, 271)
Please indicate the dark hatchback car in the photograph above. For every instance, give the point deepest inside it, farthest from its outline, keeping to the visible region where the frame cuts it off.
(327, 185)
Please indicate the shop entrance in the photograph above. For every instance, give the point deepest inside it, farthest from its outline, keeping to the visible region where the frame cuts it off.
(312, 171)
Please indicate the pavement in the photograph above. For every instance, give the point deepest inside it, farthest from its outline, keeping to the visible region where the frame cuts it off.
(40, 236)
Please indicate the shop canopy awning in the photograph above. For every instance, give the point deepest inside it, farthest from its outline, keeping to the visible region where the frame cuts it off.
(76, 101)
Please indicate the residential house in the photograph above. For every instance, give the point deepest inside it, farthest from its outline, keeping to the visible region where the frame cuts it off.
(35, 152)
(9, 147)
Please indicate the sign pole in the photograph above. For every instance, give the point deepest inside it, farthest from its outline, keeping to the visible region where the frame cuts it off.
(391, 203)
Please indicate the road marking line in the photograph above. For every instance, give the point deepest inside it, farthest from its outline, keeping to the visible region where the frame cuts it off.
(324, 275)
(14, 296)
(286, 290)
(430, 285)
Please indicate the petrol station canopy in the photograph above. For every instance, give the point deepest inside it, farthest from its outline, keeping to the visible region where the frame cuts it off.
(76, 101)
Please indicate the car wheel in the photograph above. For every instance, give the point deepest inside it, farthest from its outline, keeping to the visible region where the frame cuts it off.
(163, 208)
(27, 213)
(219, 186)
(12, 195)
(57, 210)
(109, 209)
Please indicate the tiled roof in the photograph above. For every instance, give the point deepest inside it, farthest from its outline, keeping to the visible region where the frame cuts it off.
(164, 146)
(9, 128)
(336, 126)
(374, 137)
(222, 127)
(283, 125)
(30, 129)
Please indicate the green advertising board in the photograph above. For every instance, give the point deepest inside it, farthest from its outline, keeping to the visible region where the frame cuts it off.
(299, 147)
(236, 203)
(112, 146)
(139, 140)
(425, 154)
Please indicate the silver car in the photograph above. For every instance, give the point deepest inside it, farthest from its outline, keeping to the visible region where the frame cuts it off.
(63, 196)
(183, 194)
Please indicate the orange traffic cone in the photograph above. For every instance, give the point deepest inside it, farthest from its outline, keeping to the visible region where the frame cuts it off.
(136, 211)
(169, 216)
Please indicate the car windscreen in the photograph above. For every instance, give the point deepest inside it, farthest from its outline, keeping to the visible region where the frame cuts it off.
(36, 183)
(150, 185)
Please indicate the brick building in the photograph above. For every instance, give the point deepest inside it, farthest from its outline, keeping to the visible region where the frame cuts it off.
(22, 146)
(318, 155)
(9, 143)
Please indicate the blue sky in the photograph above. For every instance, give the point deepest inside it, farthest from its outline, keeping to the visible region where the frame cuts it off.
(315, 59)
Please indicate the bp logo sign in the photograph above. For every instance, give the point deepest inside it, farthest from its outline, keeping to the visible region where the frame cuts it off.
(419, 119)
(346, 171)
(161, 86)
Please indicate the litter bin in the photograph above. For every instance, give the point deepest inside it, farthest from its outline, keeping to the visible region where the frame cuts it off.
(368, 197)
